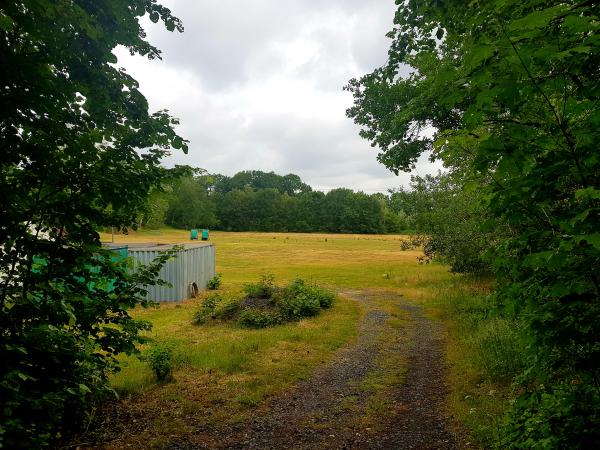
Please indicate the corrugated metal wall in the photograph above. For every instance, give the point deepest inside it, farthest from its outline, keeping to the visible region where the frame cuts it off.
(193, 264)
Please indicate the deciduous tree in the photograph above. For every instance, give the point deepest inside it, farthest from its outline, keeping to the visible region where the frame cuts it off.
(80, 151)
(507, 92)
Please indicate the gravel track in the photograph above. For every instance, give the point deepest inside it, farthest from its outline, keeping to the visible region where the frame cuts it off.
(312, 416)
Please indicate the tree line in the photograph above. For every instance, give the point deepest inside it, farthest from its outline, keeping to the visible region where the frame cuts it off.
(265, 201)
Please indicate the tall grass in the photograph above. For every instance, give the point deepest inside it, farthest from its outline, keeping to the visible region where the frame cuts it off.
(486, 350)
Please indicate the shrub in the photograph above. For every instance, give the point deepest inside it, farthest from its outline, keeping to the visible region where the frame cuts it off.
(263, 289)
(325, 296)
(214, 283)
(267, 305)
(561, 416)
(160, 359)
(299, 300)
(207, 309)
(227, 309)
(253, 318)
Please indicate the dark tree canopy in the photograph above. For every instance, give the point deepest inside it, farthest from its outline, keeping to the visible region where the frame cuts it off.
(255, 179)
(79, 151)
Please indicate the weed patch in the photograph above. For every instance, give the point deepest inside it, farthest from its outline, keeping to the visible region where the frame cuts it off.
(266, 304)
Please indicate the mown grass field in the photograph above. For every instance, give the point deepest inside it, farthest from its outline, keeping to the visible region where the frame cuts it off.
(223, 371)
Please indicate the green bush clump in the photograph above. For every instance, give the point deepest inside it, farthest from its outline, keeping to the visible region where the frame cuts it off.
(207, 309)
(215, 282)
(297, 300)
(263, 289)
(265, 304)
(160, 359)
(563, 415)
(227, 309)
(256, 318)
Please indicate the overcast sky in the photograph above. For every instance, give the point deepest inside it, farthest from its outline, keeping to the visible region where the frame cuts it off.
(257, 84)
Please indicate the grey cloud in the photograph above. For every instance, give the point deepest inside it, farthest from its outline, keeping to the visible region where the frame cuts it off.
(249, 99)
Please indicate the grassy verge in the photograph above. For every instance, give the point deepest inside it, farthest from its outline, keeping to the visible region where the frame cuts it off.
(484, 351)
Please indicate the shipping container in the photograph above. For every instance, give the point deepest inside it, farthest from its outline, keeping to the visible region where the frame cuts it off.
(188, 272)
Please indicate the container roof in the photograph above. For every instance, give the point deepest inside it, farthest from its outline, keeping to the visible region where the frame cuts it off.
(155, 247)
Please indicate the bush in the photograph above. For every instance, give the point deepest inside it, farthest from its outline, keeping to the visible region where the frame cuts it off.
(325, 297)
(207, 309)
(265, 304)
(299, 300)
(214, 283)
(263, 289)
(562, 416)
(160, 359)
(227, 309)
(253, 318)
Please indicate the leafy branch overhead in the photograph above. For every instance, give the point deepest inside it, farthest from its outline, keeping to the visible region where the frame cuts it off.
(505, 93)
(80, 151)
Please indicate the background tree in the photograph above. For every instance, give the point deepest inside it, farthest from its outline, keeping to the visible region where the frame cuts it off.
(452, 223)
(79, 152)
(510, 89)
(189, 205)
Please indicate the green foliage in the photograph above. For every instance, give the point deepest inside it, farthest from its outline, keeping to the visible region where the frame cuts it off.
(215, 282)
(266, 304)
(263, 289)
(499, 348)
(217, 307)
(289, 184)
(72, 130)
(558, 416)
(207, 309)
(456, 227)
(243, 203)
(497, 342)
(299, 299)
(228, 309)
(160, 359)
(256, 318)
(259, 201)
(189, 205)
(509, 90)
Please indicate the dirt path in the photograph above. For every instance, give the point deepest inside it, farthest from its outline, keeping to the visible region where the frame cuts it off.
(336, 408)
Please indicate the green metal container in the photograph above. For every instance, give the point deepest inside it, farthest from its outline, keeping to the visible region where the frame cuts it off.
(193, 235)
(204, 235)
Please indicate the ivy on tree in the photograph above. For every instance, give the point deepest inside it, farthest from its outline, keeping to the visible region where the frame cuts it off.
(506, 92)
(80, 151)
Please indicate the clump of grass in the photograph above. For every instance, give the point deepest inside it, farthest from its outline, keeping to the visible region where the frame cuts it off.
(255, 318)
(499, 348)
(217, 307)
(486, 351)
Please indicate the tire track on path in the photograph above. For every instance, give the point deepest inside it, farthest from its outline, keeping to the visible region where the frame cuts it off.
(312, 415)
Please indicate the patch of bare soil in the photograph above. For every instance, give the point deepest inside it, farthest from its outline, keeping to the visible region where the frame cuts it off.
(315, 414)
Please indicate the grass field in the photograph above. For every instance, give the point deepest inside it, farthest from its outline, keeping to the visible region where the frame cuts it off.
(222, 371)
